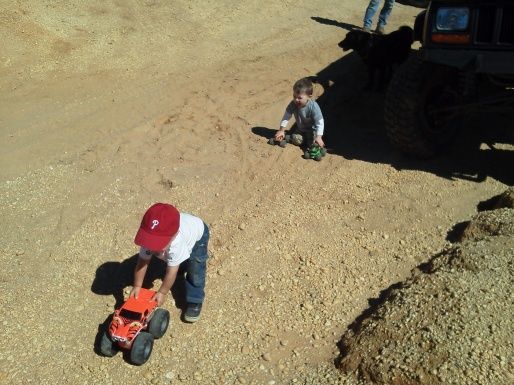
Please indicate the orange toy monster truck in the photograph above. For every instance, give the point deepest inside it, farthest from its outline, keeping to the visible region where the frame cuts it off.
(134, 326)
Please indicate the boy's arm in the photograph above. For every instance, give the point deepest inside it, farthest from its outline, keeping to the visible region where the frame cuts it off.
(319, 128)
(167, 283)
(280, 134)
(139, 276)
(319, 125)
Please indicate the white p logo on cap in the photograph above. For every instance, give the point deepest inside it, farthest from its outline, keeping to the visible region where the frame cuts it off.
(155, 222)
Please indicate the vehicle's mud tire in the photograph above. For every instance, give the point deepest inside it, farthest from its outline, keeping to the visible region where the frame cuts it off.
(159, 323)
(416, 89)
(106, 346)
(141, 348)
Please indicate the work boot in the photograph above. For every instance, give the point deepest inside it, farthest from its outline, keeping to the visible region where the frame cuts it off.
(366, 29)
(192, 313)
(380, 29)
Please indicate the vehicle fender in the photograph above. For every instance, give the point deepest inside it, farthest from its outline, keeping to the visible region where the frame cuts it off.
(419, 24)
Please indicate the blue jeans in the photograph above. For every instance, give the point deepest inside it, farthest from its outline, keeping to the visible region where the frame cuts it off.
(384, 13)
(195, 268)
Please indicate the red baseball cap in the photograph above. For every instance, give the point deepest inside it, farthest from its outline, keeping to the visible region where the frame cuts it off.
(159, 224)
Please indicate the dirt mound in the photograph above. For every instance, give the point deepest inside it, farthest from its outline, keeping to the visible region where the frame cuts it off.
(450, 323)
(506, 199)
(485, 224)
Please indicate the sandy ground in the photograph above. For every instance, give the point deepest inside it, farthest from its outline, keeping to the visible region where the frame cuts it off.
(108, 107)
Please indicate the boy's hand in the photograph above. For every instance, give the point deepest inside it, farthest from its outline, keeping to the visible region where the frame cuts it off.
(159, 297)
(135, 291)
(319, 141)
(280, 134)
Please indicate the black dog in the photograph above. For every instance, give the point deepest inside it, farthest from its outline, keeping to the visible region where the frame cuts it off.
(380, 53)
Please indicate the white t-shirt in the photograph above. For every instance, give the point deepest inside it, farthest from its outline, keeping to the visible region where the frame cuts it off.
(190, 231)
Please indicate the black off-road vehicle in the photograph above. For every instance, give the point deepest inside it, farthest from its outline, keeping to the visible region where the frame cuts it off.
(465, 66)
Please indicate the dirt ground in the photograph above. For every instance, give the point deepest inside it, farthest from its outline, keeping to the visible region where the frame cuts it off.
(109, 106)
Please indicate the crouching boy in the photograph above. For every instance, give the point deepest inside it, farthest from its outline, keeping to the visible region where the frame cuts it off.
(308, 116)
(178, 239)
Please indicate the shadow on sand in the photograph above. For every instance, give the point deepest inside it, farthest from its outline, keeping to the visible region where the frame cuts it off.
(335, 23)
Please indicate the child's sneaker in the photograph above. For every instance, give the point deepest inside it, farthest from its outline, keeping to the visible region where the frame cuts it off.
(296, 139)
(192, 313)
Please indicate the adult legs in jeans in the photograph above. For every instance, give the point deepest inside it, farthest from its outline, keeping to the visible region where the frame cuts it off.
(384, 13)
(196, 268)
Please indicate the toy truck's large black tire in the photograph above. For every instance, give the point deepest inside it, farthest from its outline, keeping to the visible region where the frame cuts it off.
(107, 347)
(159, 323)
(141, 348)
(417, 89)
